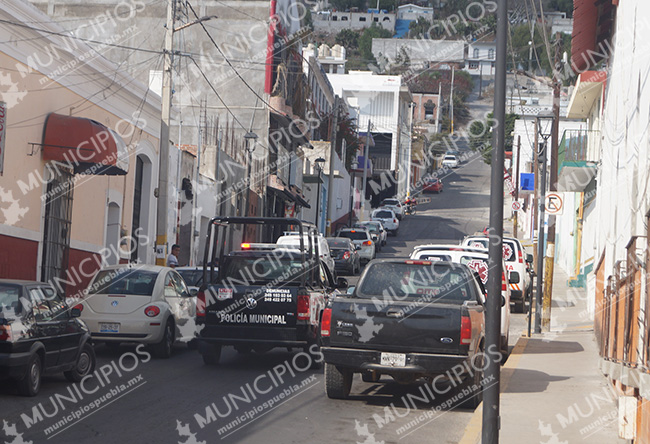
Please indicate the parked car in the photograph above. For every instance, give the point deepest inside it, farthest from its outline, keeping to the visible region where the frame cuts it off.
(292, 239)
(514, 256)
(387, 218)
(408, 320)
(476, 259)
(376, 230)
(40, 334)
(145, 304)
(345, 254)
(362, 238)
(193, 277)
(450, 160)
(395, 205)
(433, 186)
(457, 154)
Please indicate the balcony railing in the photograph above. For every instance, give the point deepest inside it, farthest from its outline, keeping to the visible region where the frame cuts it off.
(574, 146)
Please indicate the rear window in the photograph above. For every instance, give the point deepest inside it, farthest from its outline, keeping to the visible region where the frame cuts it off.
(354, 235)
(434, 257)
(447, 283)
(124, 281)
(383, 214)
(191, 277)
(9, 300)
(261, 270)
(390, 202)
(478, 243)
(370, 227)
(478, 265)
(509, 251)
(338, 243)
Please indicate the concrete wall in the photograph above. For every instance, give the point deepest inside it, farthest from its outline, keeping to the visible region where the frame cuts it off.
(335, 21)
(420, 50)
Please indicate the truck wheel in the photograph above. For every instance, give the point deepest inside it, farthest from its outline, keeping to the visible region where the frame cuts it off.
(212, 355)
(473, 385)
(337, 382)
(31, 382)
(84, 366)
(370, 376)
(163, 349)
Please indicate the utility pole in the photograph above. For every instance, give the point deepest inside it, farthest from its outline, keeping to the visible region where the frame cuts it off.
(451, 102)
(550, 250)
(330, 185)
(492, 372)
(365, 173)
(439, 105)
(163, 165)
(514, 219)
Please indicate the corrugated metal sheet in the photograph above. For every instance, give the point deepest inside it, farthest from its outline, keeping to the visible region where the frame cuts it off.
(592, 26)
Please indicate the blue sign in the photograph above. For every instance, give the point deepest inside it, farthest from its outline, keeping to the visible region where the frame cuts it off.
(527, 182)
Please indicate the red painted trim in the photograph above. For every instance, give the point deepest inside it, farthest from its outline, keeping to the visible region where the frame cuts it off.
(269, 50)
(18, 258)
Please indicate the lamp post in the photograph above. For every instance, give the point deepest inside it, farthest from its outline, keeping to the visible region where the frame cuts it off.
(544, 128)
(248, 137)
(353, 167)
(319, 167)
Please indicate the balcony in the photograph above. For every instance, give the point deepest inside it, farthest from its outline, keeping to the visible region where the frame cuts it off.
(576, 167)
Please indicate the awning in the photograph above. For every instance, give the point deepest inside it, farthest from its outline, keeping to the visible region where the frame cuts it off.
(291, 129)
(86, 145)
(297, 195)
(589, 87)
(276, 186)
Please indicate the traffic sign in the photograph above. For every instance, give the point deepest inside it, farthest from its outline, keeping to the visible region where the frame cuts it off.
(516, 205)
(554, 204)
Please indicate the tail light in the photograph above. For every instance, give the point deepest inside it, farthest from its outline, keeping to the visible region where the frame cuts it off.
(79, 307)
(521, 257)
(394, 221)
(200, 304)
(245, 246)
(152, 311)
(465, 330)
(346, 255)
(367, 243)
(326, 322)
(418, 262)
(303, 306)
(6, 334)
(504, 284)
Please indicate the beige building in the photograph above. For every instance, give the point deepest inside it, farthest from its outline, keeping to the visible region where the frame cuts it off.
(79, 160)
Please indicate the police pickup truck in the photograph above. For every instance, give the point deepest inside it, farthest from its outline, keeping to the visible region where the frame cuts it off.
(407, 319)
(264, 295)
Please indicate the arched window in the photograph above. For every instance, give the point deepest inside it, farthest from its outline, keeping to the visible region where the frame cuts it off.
(476, 53)
(491, 54)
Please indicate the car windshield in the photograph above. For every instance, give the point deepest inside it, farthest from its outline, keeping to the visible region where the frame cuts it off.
(338, 243)
(354, 235)
(445, 282)
(124, 281)
(255, 269)
(370, 227)
(390, 202)
(9, 300)
(191, 277)
(383, 215)
(450, 157)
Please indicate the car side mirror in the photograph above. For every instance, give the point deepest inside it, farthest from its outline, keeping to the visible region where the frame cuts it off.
(342, 283)
(75, 312)
(357, 247)
(194, 292)
(513, 277)
(529, 258)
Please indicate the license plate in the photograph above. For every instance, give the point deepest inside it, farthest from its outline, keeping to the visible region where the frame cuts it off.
(109, 328)
(393, 359)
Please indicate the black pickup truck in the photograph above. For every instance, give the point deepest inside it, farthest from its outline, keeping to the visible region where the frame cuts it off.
(264, 295)
(408, 319)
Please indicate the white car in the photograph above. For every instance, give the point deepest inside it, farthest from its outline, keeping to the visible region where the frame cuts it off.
(477, 260)
(388, 219)
(514, 256)
(450, 160)
(376, 230)
(292, 240)
(360, 237)
(395, 205)
(146, 304)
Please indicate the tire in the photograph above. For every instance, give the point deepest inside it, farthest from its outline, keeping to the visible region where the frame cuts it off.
(243, 349)
(473, 401)
(163, 349)
(212, 356)
(337, 382)
(30, 384)
(84, 365)
(370, 376)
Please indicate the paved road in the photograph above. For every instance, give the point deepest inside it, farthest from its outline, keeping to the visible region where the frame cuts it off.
(254, 398)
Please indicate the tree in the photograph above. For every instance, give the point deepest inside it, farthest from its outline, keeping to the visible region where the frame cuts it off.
(562, 6)
(520, 48)
(346, 5)
(481, 135)
(365, 41)
(348, 38)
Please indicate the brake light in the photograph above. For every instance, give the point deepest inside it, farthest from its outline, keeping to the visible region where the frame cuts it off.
(152, 311)
(326, 322)
(245, 246)
(6, 334)
(504, 284)
(465, 330)
(521, 257)
(346, 255)
(200, 304)
(303, 306)
(367, 243)
(79, 307)
(353, 231)
(418, 262)
(394, 221)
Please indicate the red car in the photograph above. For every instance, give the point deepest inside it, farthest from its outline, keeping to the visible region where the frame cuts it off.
(433, 185)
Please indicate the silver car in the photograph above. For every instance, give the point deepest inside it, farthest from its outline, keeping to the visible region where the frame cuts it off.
(362, 238)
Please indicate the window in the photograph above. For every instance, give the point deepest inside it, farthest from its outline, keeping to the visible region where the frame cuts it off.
(491, 54)
(362, 19)
(386, 19)
(476, 53)
(335, 18)
(344, 18)
(376, 19)
(473, 65)
(354, 235)
(180, 286)
(40, 305)
(124, 281)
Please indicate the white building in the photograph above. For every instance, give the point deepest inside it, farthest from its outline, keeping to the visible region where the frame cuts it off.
(481, 58)
(420, 50)
(335, 21)
(331, 59)
(413, 12)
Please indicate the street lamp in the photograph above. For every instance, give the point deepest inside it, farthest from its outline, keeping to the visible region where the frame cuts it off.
(248, 137)
(544, 123)
(353, 167)
(319, 167)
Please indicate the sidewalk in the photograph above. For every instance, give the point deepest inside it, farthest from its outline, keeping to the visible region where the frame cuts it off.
(552, 391)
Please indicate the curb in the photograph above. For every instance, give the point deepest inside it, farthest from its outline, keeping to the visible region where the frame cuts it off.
(472, 433)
